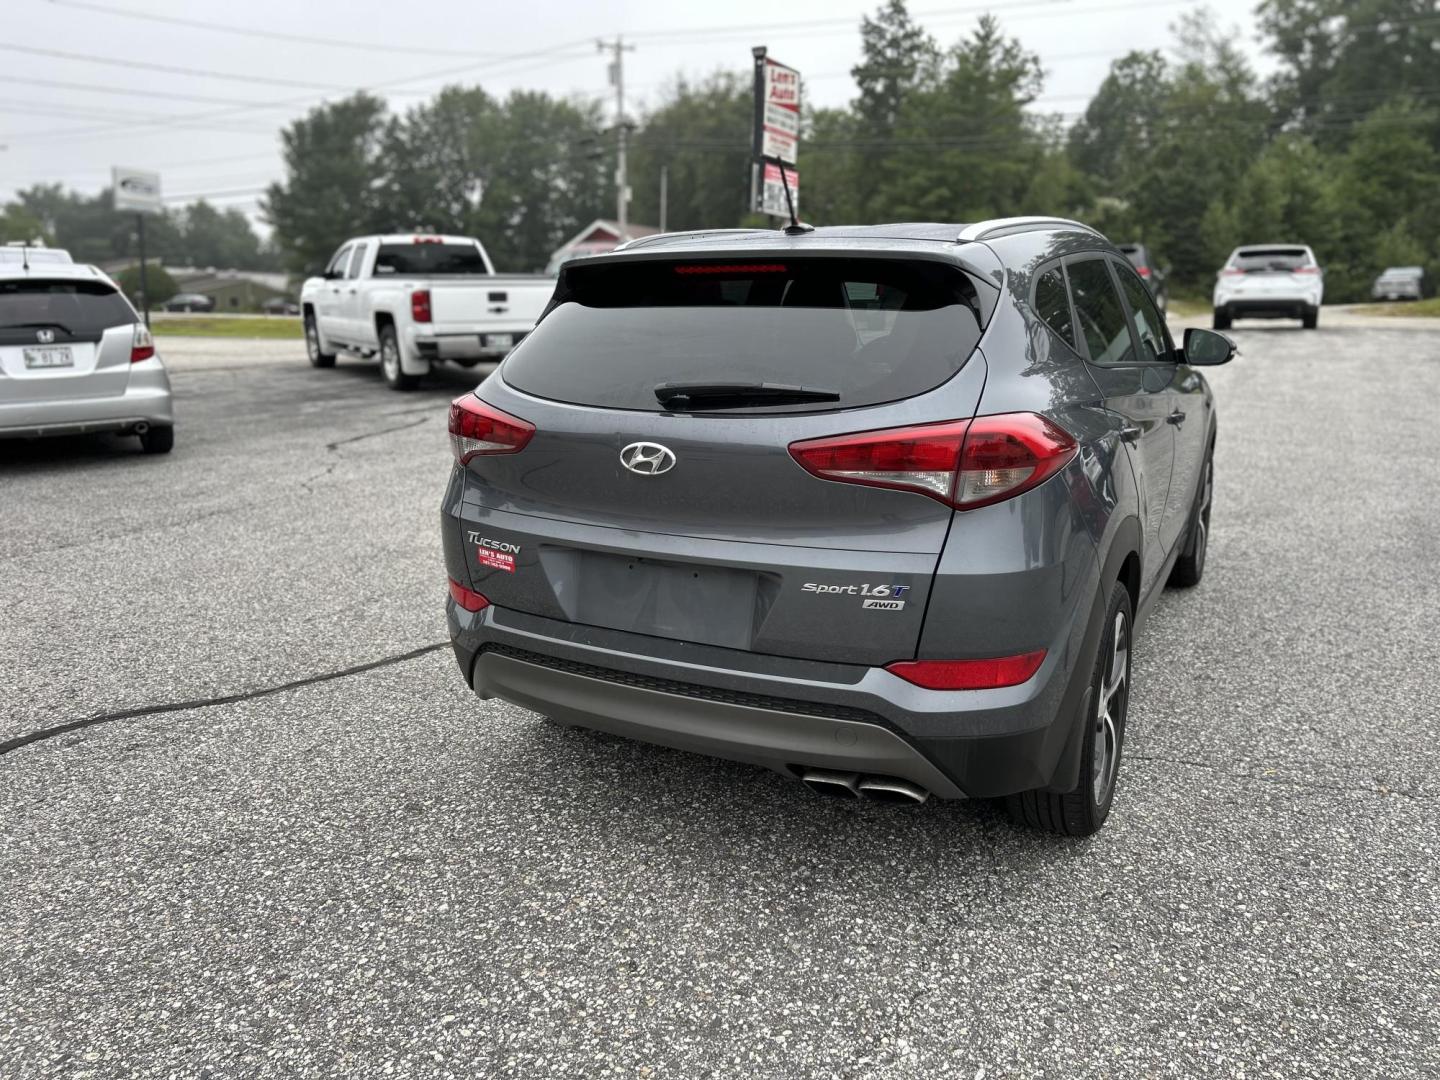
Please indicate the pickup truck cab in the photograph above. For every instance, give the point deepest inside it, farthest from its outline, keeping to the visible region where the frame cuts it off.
(415, 300)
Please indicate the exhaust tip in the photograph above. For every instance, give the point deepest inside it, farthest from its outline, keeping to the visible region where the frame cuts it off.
(834, 785)
(892, 789)
(141, 428)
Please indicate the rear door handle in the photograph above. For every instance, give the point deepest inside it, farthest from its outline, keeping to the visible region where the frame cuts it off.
(1130, 433)
(1176, 417)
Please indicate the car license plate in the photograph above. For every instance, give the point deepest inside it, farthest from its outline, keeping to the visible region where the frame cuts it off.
(59, 356)
(499, 341)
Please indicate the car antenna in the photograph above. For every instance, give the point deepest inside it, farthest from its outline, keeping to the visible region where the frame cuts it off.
(795, 228)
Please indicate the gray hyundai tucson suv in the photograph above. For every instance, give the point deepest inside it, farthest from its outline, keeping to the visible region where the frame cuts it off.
(881, 508)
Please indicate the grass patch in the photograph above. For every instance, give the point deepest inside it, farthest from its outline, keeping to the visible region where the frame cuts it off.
(275, 327)
(1429, 307)
(1187, 307)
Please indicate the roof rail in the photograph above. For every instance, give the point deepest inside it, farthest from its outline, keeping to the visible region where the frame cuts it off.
(981, 229)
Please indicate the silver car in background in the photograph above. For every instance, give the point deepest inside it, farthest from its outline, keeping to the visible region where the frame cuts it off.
(1400, 283)
(75, 357)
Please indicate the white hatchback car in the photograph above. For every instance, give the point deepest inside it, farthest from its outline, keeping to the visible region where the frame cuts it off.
(75, 357)
(1269, 281)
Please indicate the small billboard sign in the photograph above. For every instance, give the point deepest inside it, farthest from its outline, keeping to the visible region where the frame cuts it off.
(136, 190)
(772, 190)
(780, 130)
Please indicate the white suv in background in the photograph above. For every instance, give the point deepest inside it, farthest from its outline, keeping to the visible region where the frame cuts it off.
(1269, 281)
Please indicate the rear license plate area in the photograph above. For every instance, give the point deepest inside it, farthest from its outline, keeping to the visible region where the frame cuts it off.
(54, 356)
(496, 342)
(711, 605)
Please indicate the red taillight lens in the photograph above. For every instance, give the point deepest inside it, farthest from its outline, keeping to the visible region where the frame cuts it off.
(420, 305)
(1231, 271)
(142, 345)
(468, 599)
(739, 269)
(969, 674)
(1007, 454)
(478, 428)
(962, 463)
(1307, 270)
(1143, 271)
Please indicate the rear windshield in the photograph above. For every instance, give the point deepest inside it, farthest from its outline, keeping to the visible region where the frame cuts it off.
(429, 260)
(860, 331)
(73, 310)
(1270, 259)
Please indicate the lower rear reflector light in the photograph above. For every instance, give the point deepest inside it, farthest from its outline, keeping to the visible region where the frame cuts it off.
(988, 674)
(468, 599)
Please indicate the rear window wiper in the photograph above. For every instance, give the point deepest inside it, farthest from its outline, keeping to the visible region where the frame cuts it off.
(738, 395)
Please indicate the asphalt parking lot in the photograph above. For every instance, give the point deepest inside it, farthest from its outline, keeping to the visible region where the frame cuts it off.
(252, 823)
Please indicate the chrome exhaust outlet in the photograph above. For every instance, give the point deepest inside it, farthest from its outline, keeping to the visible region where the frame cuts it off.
(835, 785)
(892, 789)
(141, 428)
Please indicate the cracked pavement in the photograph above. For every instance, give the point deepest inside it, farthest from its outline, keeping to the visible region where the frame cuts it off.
(252, 823)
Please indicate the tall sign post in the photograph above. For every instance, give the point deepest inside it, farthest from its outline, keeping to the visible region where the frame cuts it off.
(139, 191)
(776, 140)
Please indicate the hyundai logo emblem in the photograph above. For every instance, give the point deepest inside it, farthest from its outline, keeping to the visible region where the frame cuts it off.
(44, 337)
(647, 458)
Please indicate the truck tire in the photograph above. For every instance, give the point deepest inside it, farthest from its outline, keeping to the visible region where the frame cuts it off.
(312, 344)
(390, 367)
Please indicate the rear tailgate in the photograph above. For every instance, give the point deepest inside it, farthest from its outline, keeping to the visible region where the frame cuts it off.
(63, 340)
(479, 304)
(733, 544)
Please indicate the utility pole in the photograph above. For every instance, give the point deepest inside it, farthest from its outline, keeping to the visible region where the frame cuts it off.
(664, 194)
(622, 176)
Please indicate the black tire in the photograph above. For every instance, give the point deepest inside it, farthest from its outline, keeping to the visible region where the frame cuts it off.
(158, 440)
(1190, 567)
(1082, 810)
(312, 344)
(395, 376)
(1311, 319)
(1222, 319)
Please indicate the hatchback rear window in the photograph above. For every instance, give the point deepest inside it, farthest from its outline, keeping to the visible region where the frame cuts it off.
(849, 332)
(75, 310)
(1270, 259)
(429, 260)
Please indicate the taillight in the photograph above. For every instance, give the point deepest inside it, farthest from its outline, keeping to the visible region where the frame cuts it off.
(478, 428)
(142, 345)
(420, 305)
(468, 599)
(1231, 271)
(1143, 271)
(961, 463)
(988, 674)
(1307, 270)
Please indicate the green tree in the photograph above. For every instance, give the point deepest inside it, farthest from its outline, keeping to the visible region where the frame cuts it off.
(162, 285)
(332, 165)
(1120, 124)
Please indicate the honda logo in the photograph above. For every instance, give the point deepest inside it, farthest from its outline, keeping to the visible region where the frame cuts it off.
(647, 458)
(44, 337)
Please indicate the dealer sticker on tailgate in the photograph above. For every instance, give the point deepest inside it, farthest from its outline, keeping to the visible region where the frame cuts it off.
(494, 554)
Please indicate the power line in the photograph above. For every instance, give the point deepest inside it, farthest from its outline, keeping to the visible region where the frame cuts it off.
(168, 69)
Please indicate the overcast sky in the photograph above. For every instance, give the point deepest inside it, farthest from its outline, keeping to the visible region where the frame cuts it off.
(164, 84)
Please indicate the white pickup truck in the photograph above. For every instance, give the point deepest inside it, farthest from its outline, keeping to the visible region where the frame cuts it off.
(415, 300)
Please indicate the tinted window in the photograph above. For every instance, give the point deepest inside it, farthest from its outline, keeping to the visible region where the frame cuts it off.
(356, 259)
(1149, 325)
(868, 330)
(1052, 304)
(424, 259)
(73, 309)
(338, 260)
(1102, 319)
(1270, 259)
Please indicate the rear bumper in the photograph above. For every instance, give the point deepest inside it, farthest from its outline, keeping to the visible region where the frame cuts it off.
(1259, 306)
(781, 713)
(147, 400)
(470, 345)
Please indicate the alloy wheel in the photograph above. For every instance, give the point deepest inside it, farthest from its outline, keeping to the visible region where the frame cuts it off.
(312, 339)
(1110, 714)
(390, 359)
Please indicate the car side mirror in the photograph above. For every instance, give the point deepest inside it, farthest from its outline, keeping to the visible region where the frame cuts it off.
(1207, 348)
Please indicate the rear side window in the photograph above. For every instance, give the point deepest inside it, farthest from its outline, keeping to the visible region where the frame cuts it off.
(356, 260)
(863, 331)
(425, 259)
(1270, 259)
(1154, 342)
(73, 310)
(1052, 304)
(1102, 319)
